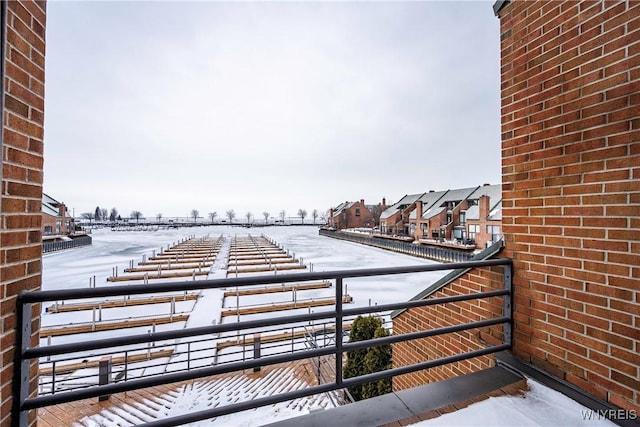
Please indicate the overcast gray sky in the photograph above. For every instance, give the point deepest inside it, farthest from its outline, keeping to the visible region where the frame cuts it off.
(163, 107)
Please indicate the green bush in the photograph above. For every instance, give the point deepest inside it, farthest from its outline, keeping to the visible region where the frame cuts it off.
(369, 360)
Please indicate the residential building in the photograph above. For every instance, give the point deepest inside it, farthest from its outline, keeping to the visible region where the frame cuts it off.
(440, 217)
(55, 217)
(570, 211)
(481, 222)
(355, 215)
(438, 220)
(394, 220)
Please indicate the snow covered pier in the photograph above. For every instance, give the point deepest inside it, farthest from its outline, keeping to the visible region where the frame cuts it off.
(284, 306)
(83, 328)
(284, 288)
(189, 258)
(126, 302)
(259, 255)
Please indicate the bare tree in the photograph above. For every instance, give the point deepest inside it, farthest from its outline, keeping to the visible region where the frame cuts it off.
(136, 215)
(302, 213)
(212, 216)
(159, 216)
(376, 211)
(314, 215)
(283, 213)
(104, 214)
(113, 215)
(87, 215)
(194, 214)
(248, 215)
(231, 214)
(265, 214)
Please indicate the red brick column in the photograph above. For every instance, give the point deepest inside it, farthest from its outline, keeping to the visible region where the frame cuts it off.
(21, 191)
(571, 189)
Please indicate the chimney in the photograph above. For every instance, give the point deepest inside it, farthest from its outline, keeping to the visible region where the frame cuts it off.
(362, 202)
(419, 209)
(431, 191)
(384, 202)
(484, 206)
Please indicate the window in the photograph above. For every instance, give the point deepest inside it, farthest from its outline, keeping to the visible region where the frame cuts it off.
(357, 211)
(473, 229)
(494, 231)
(463, 217)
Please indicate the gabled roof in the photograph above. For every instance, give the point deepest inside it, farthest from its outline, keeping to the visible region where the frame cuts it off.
(429, 201)
(457, 195)
(496, 212)
(342, 206)
(50, 205)
(406, 200)
(495, 200)
(433, 212)
(493, 191)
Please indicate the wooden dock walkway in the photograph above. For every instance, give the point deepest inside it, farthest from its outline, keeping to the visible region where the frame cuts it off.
(283, 336)
(162, 275)
(277, 288)
(265, 268)
(83, 328)
(167, 267)
(283, 306)
(67, 368)
(64, 308)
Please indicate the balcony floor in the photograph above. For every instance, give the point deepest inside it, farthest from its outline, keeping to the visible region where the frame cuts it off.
(413, 405)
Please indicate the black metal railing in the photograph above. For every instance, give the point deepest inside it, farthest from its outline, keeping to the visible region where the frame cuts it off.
(423, 251)
(66, 244)
(25, 354)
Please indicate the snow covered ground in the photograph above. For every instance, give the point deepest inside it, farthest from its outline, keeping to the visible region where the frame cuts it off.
(539, 406)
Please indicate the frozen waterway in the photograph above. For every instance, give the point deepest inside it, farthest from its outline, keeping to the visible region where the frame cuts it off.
(73, 268)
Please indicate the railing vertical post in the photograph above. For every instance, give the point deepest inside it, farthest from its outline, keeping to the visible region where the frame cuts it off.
(339, 331)
(21, 378)
(507, 305)
(256, 350)
(104, 375)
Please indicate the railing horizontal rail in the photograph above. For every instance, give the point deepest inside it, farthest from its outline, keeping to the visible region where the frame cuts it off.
(229, 327)
(110, 291)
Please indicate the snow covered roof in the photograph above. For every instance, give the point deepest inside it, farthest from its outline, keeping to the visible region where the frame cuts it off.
(405, 201)
(473, 212)
(496, 212)
(429, 200)
(457, 195)
(341, 207)
(49, 205)
(430, 213)
(493, 191)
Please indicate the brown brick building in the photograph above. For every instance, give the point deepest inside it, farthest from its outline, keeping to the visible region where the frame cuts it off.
(23, 28)
(570, 83)
(355, 215)
(55, 217)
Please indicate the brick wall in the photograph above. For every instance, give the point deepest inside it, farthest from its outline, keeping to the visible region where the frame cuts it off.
(21, 191)
(425, 318)
(571, 189)
(570, 81)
